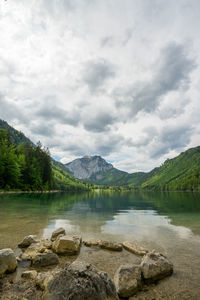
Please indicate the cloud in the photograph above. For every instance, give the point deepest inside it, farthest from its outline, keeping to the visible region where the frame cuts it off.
(172, 72)
(43, 129)
(99, 122)
(50, 111)
(96, 73)
(114, 78)
(172, 138)
(107, 41)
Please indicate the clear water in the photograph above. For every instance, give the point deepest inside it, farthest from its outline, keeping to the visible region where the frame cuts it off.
(167, 222)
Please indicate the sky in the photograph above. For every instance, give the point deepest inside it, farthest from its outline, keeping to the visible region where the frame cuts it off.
(116, 78)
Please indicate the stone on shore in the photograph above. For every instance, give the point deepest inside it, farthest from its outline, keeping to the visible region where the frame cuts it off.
(56, 233)
(91, 243)
(31, 274)
(155, 266)
(8, 261)
(45, 259)
(134, 248)
(127, 280)
(27, 241)
(43, 246)
(69, 245)
(80, 281)
(110, 245)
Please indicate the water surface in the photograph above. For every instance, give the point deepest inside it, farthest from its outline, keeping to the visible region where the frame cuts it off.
(167, 222)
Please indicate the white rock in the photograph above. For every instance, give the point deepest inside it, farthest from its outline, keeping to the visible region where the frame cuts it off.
(8, 261)
(127, 280)
(155, 266)
(69, 245)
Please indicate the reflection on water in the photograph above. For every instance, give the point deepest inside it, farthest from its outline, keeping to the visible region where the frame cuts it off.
(131, 215)
(167, 222)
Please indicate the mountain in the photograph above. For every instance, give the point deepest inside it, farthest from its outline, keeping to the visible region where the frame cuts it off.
(85, 167)
(95, 169)
(179, 173)
(62, 179)
(17, 136)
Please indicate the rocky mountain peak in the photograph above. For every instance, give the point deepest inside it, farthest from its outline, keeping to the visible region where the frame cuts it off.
(84, 167)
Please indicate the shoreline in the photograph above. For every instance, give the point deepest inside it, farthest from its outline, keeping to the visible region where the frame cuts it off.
(30, 192)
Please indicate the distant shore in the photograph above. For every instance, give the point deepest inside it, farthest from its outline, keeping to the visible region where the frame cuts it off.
(30, 192)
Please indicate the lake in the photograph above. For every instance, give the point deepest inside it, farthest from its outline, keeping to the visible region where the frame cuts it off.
(166, 222)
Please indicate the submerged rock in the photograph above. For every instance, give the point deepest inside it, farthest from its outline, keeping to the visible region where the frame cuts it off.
(56, 233)
(127, 280)
(80, 281)
(134, 248)
(27, 241)
(110, 245)
(45, 259)
(104, 245)
(8, 261)
(155, 266)
(91, 243)
(69, 245)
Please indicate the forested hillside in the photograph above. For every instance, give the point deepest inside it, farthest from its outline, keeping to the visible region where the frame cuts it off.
(17, 137)
(179, 173)
(25, 166)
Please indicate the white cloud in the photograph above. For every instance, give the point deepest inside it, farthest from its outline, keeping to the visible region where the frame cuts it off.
(114, 78)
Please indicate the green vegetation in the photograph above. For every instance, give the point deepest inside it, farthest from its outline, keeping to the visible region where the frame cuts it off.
(116, 177)
(17, 137)
(65, 181)
(25, 166)
(178, 174)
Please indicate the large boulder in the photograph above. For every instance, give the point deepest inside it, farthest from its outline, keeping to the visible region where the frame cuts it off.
(56, 233)
(27, 241)
(69, 245)
(8, 261)
(45, 259)
(127, 280)
(155, 266)
(80, 281)
(110, 245)
(134, 248)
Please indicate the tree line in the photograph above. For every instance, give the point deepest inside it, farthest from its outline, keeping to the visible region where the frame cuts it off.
(24, 167)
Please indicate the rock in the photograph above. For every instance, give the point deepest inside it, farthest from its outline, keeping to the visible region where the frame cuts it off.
(45, 259)
(127, 280)
(155, 266)
(8, 261)
(27, 241)
(110, 245)
(69, 245)
(56, 233)
(42, 279)
(29, 274)
(46, 243)
(80, 281)
(91, 243)
(43, 246)
(134, 248)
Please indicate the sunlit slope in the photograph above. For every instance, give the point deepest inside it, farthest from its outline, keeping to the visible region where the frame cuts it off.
(179, 173)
